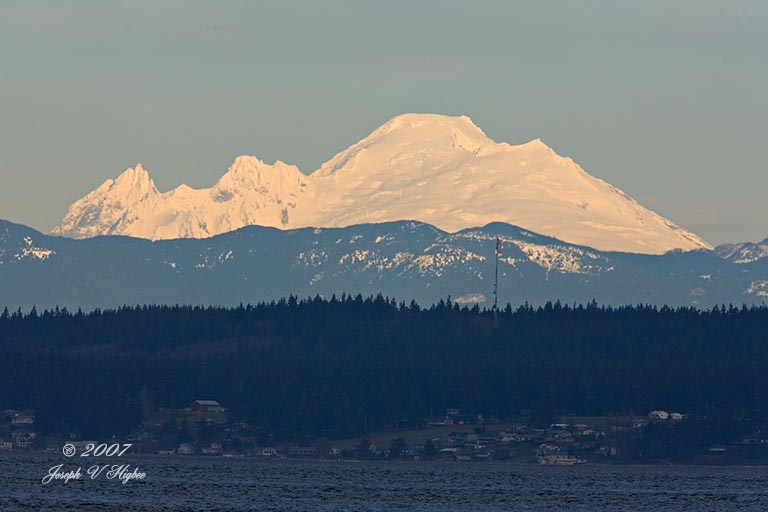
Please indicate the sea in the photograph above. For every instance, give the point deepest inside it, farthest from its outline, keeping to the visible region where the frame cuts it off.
(177, 483)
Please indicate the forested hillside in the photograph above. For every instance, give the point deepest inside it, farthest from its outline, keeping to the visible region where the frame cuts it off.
(301, 367)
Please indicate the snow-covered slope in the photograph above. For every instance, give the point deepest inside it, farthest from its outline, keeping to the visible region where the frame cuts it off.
(746, 252)
(251, 192)
(446, 172)
(436, 169)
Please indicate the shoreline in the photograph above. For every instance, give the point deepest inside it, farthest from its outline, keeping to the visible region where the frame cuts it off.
(400, 462)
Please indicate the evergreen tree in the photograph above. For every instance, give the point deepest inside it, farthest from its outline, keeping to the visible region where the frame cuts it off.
(430, 451)
(398, 448)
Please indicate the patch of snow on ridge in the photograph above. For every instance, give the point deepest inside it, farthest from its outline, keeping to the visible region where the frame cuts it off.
(33, 252)
(208, 262)
(758, 288)
(471, 298)
(312, 258)
(568, 260)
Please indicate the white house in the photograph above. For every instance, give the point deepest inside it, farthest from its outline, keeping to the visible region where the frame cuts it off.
(22, 419)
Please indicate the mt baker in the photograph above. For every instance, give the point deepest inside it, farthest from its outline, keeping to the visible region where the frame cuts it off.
(435, 169)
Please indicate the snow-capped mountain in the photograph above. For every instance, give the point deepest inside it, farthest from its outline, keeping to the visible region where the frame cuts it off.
(436, 169)
(251, 192)
(746, 252)
(406, 260)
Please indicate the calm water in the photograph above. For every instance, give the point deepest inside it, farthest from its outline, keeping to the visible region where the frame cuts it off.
(197, 483)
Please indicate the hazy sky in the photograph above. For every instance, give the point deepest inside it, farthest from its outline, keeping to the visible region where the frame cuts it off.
(667, 100)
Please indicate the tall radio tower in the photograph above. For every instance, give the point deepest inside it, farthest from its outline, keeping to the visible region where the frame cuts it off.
(496, 282)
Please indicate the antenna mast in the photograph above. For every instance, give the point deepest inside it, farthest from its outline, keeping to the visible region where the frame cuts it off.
(496, 282)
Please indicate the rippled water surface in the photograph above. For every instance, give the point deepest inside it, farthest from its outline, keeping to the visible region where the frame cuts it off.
(198, 483)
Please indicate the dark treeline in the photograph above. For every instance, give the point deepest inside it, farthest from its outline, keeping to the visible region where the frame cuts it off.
(339, 365)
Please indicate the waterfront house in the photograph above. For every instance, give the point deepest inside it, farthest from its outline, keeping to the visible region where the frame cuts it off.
(202, 406)
(22, 419)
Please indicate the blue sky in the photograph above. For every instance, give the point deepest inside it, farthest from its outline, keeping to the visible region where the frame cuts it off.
(664, 99)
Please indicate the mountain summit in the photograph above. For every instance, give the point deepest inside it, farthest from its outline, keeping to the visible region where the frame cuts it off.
(437, 169)
(250, 192)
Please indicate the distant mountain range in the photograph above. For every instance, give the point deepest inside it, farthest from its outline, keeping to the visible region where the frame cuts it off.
(405, 260)
(436, 169)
